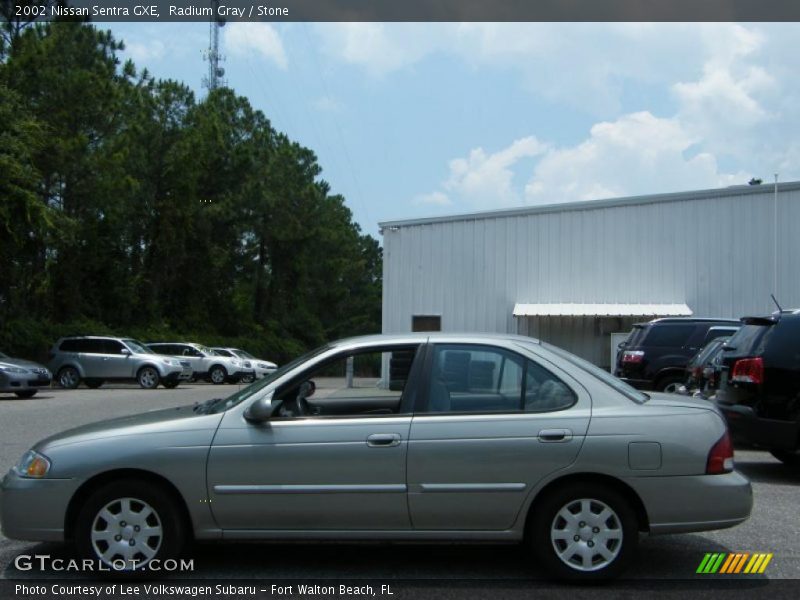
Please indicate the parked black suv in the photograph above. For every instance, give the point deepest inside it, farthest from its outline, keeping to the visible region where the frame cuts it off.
(655, 355)
(760, 389)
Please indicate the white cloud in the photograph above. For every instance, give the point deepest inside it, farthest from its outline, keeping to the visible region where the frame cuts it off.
(638, 153)
(327, 104)
(434, 198)
(483, 175)
(245, 38)
(734, 101)
(143, 52)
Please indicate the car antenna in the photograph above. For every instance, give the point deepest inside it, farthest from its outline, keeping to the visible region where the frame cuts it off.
(780, 310)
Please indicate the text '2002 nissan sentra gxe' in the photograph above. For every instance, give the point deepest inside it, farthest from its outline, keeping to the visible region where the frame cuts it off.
(409, 437)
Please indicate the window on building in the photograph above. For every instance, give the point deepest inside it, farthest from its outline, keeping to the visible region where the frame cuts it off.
(426, 323)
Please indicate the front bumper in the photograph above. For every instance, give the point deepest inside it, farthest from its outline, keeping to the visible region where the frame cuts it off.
(20, 382)
(749, 428)
(694, 503)
(34, 509)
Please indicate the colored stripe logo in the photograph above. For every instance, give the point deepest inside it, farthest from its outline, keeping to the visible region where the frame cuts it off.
(734, 563)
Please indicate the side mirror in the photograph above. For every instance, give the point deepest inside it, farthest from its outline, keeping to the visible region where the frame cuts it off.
(261, 410)
(125, 351)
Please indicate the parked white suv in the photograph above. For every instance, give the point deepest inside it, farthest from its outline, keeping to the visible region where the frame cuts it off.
(261, 368)
(206, 363)
(95, 360)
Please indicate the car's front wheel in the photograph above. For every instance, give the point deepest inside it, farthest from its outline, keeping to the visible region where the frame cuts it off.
(217, 375)
(148, 378)
(124, 525)
(69, 378)
(584, 532)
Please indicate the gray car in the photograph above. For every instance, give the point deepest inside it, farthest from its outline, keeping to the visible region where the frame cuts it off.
(206, 363)
(408, 437)
(94, 360)
(22, 377)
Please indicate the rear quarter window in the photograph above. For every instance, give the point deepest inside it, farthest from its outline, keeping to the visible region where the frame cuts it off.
(749, 340)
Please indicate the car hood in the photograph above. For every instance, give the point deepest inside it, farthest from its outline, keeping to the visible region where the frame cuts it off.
(182, 418)
(20, 362)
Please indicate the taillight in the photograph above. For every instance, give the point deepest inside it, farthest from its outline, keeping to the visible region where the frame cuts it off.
(748, 370)
(632, 356)
(720, 458)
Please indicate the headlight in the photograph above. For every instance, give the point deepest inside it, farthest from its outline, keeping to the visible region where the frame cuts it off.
(13, 370)
(263, 366)
(236, 363)
(32, 464)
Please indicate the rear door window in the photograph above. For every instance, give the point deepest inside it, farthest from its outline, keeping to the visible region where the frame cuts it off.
(93, 346)
(673, 336)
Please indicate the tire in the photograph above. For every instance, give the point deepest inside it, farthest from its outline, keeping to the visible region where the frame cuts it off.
(248, 378)
(26, 394)
(101, 536)
(69, 378)
(171, 385)
(670, 383)
(148, 378)
(218, 375)
(93, 383)
(790, 458)
(554, 537)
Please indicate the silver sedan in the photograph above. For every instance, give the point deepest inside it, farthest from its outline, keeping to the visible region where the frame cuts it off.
(408, 437)
(22, 377)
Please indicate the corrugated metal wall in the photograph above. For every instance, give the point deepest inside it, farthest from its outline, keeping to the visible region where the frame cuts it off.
(715, 253)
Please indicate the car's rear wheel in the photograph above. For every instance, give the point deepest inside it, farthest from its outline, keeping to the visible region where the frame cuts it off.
(124, 525)
(670, 384)
(148, 378)
(250, 378)
(26, 394)
(584, 532)
(69, 378)
(93, 383)
(217, 375)
(787, 457)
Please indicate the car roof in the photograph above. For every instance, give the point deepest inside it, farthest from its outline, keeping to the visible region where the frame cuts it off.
(678, 320)
(435, 336)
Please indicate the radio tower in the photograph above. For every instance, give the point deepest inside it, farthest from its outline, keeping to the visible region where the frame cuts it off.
(215, 73)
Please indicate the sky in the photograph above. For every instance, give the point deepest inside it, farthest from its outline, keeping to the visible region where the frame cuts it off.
(414, 120)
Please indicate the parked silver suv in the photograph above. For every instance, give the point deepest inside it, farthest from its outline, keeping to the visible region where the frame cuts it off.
(95, 360)
(206, 363)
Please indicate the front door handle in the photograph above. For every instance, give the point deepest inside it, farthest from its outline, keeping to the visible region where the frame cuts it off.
(555, 435)
(383, 440)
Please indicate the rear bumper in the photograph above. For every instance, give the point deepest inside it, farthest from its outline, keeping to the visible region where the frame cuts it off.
(694, 503)
(747, 427)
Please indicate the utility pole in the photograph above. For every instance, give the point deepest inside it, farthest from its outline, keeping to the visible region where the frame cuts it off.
(215, 73)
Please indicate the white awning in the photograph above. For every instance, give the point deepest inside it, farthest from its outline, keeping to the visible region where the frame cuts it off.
(565, 309)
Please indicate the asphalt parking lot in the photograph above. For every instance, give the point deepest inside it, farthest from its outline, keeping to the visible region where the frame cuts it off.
(774, 526)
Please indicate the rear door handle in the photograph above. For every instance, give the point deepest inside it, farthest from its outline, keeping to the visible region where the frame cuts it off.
(555, 435)
(383, 440)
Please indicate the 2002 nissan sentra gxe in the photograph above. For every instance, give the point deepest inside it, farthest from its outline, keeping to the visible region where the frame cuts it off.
(409, 437)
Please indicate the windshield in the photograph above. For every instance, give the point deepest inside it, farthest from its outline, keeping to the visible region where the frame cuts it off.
(220, 352)
(243, 354)
(3, 355)
(604, 376)
(218, 405)
(138, 347)
(708, 351)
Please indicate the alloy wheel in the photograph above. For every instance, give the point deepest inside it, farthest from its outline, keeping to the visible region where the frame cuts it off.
(586, 534)
(148, 378)
(126, 530)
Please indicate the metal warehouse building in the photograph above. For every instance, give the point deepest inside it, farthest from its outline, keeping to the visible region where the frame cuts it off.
(574, 274)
